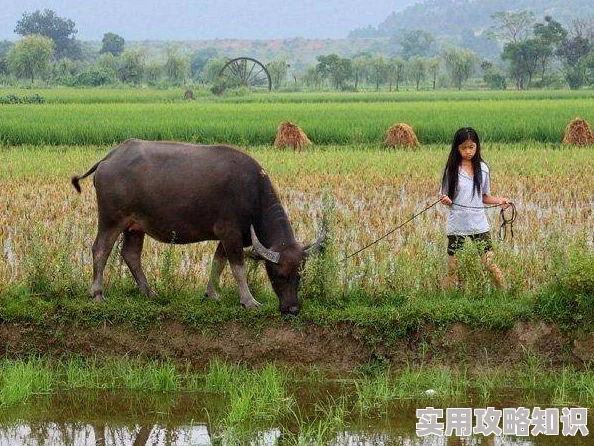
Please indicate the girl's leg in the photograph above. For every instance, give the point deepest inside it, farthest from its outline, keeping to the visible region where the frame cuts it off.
(495, 271)
(450, 281)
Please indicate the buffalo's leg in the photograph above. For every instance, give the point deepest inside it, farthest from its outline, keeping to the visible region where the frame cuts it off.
(102, 246)
(234, 250)
(219, 261)
(131, 252)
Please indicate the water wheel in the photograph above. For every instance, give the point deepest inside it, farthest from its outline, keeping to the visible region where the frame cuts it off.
(246, 72)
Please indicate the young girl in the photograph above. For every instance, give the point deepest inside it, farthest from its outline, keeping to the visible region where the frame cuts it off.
(465, 188)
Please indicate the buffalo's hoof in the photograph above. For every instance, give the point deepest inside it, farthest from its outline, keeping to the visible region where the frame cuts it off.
(211, 295)
(99, 298)
(251, 304)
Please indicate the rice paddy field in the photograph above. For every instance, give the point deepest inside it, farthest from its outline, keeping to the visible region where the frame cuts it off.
(389, 292)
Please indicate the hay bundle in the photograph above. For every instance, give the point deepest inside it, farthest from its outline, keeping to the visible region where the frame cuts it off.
(401, 135)
(290, 135)
(578, 132)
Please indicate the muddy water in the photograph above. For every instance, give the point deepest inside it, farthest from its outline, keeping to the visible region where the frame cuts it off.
(120, 418)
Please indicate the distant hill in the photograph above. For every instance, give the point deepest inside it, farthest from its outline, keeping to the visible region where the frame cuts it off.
(464, 21)
(461, 22)
(448, 18)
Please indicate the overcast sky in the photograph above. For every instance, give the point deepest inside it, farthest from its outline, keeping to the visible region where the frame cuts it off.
(207, 19)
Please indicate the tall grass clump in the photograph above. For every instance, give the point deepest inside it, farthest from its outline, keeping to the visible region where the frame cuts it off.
(21, 379)
(321, 272)
(169, 283)
(261, 396)
(569, 298)
(472, 274)
(154, 376)
(374, 394)
(221, 376)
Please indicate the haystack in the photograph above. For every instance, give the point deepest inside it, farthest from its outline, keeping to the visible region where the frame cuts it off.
(401, 135)
(290, 135)
(578, 132)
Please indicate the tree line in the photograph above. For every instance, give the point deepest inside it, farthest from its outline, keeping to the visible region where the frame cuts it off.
(533, 55)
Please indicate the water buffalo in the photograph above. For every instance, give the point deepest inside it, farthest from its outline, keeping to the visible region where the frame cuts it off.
(185, 193)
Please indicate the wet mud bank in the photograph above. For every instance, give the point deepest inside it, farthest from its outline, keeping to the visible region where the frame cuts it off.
(336, 349)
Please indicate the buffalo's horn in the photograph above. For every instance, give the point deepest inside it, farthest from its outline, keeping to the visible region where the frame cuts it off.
(266, 253)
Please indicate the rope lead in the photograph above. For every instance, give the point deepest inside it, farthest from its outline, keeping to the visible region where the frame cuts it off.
(505, 222)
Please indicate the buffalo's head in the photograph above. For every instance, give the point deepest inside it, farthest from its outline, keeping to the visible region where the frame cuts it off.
(283, 268)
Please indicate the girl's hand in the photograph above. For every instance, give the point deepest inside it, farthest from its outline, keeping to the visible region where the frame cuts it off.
(504, 203)
(445, 200)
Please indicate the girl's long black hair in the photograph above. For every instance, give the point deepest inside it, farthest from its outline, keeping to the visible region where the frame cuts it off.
(449, 181)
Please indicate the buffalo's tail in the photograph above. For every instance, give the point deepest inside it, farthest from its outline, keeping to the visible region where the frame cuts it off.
(76, 179)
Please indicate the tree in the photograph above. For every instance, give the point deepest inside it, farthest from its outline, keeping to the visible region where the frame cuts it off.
(396, 71)
(524, 58)
(417, 43)
(378, 71)
(199, 59)
(48, 24)
(210, 72)
(153, 71)
(361, 64)
(30, 56)
(492, 76)
(5, 46)
(511, 26)
(550, 34)
(312, 77)
(335, 68)
(589, 68)
(573, 53)
(176, 67)
(131, 66)
(418, 69)
(113, 44)
(278, 70)
(460, 65)
(434, 66)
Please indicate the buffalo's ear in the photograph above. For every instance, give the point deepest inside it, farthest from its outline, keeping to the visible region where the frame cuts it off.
(318, 244)
(314, 248)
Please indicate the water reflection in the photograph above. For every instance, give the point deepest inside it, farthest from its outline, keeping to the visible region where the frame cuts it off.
(141, 419)
(82, 434)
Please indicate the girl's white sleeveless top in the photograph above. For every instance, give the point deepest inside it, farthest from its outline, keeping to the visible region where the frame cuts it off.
(466, 221)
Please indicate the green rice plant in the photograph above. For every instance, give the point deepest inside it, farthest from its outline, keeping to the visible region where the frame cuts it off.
(375, 394)
(327, 121)
(79, 373)
(260, 396)
(221, 376)
(562, 392)
(21, 379)
(329, 419)
(433, 383)
(156, 376)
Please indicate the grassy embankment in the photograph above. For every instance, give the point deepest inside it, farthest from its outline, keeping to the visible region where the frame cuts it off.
(388, 291)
